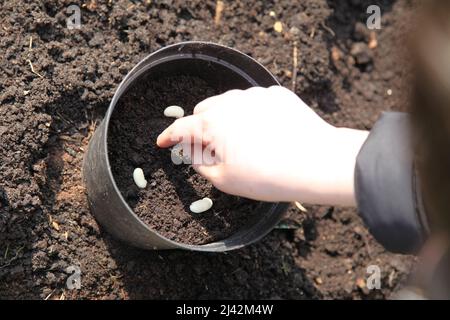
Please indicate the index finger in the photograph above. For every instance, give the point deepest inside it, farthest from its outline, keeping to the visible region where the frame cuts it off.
(189, 127)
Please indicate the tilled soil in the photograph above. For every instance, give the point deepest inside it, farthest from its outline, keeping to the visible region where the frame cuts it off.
(56, 83)
(164, 204)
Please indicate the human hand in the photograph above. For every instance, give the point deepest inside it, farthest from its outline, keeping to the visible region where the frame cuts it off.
(267, 144)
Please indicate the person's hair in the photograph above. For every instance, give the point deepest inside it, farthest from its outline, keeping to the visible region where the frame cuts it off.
(431, 109)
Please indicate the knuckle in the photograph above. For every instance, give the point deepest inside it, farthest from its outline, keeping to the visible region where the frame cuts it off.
(218, 179)
(256, 91)
(232, 92)
(285, 91)
(177, 122)
(205, 120)
(278, 89)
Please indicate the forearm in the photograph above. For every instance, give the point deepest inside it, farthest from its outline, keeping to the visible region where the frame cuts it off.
(340, 189)
(329, 177)
(374, 171)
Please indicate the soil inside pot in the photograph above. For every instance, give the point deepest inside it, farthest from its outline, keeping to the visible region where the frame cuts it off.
(164, 204)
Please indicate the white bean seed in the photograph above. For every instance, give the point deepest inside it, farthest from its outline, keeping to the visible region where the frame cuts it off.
(174, 112)
(200, 206)
(177, 155)
(139, 178)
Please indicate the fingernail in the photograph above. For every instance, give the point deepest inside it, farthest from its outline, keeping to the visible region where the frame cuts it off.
(158, 140)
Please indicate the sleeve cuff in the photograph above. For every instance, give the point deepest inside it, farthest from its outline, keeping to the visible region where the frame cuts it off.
(386, 187)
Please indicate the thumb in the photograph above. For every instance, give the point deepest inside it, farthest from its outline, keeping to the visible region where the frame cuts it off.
(210, 172)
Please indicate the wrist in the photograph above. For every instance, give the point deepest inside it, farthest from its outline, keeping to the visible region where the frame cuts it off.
(325, 175)
(341, 185)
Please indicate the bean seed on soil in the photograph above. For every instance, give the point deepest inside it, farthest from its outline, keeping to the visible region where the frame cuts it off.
(177, 155)
(174, 112)
(202, 205)
(139, 178)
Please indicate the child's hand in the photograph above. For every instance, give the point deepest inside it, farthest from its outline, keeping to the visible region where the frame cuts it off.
(269, 145)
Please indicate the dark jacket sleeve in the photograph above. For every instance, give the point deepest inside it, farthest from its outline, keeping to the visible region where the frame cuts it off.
(387, 188)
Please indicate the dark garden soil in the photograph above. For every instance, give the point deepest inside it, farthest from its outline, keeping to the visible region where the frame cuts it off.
(347, 74)
(164, 203)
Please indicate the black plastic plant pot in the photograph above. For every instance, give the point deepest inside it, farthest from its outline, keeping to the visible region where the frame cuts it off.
(214, 63)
